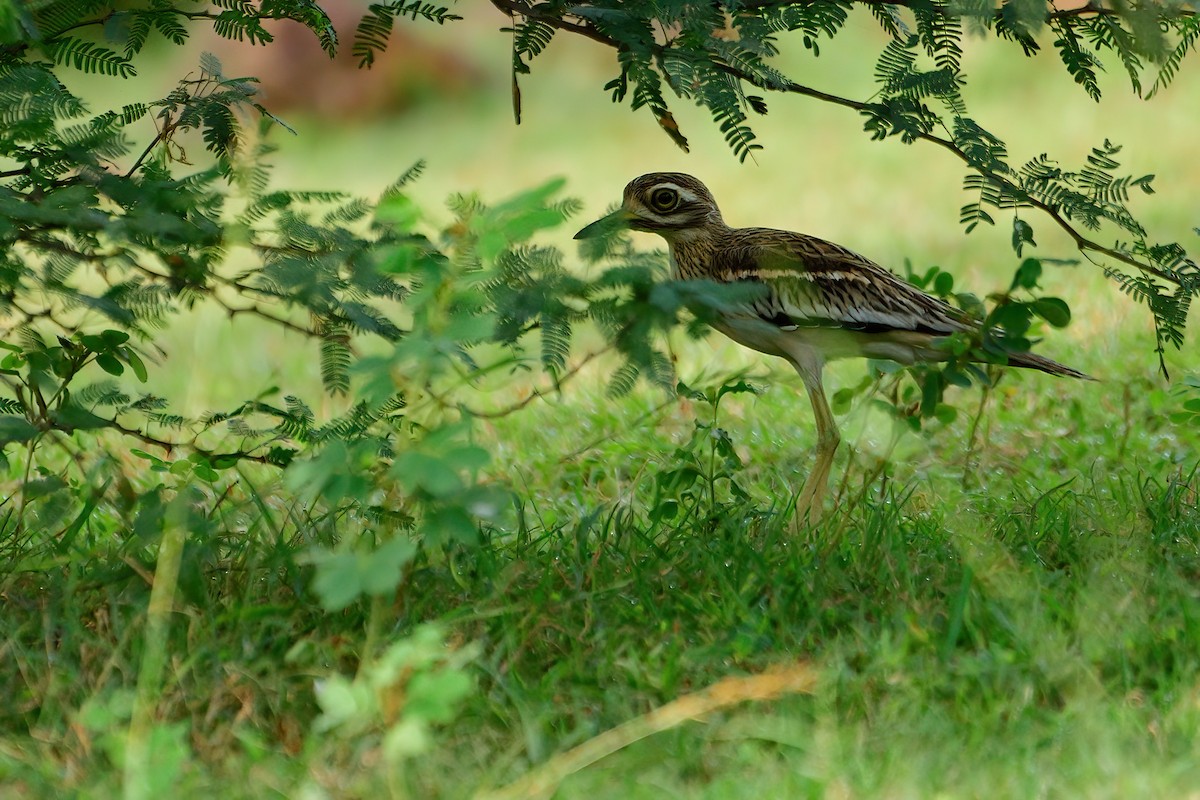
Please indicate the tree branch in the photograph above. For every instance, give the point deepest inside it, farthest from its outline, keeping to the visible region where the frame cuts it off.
(1091, 9)
(536, 394)
(170, 446)
(522, 8)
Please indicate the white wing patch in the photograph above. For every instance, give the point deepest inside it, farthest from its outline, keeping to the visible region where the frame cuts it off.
(792, 274)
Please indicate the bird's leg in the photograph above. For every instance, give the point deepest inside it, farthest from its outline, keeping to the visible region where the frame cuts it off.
(811, 502)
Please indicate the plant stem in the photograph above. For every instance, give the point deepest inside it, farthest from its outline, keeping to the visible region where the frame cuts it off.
(138, 766)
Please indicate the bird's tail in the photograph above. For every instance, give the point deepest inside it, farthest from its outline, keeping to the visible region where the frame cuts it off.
(1034, 361)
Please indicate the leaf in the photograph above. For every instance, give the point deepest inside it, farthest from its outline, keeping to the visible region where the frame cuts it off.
(110, 364)
(1022, 235)
(434, 696)
(90, 58)
(398, 211)
(340, 701)
(335, 360)
(840, 402)
(945, 413)
(408, 737)
(943, 284)
(666, 121)
(42, 487)
(931, 393)
(73, 417)
(112, 338)
(1027, 275)
(337, 582)
(450, 524)
(15, 429)
(205, 473)
(1053, 310)
(416, 471)
(383, 569)
(134, 360)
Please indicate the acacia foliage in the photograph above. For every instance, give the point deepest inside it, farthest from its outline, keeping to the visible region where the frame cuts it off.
(114, 221)
(720, 55)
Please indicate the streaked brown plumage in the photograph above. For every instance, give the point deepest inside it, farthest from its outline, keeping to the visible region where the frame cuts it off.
(821, 302)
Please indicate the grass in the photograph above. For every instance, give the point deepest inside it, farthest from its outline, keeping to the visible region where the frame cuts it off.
(1034, 635)
(1013, 617)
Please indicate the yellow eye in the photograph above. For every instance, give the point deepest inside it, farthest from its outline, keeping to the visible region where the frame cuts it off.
(664, 199)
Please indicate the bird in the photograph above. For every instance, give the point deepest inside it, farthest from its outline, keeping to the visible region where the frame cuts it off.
(820, 301)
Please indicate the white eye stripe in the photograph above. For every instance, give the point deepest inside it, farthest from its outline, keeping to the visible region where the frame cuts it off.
(685, 196)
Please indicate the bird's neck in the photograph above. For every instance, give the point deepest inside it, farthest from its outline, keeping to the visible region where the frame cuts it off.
(692, 249)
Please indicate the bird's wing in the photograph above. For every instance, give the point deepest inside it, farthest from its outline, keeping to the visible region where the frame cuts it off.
(815, 283)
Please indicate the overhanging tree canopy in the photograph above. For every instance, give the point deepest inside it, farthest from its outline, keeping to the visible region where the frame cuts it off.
(719, 55)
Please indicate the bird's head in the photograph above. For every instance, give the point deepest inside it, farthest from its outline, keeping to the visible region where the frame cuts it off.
(670, 204)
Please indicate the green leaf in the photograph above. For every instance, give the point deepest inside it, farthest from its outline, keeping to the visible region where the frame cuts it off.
(1027, 275)
(408, 737)
(1053, 310)
(741, 387)
(337, 582)
(42, 487)
(450, 524)
(931, 393)
(110, 364)
(955, 378)
(840, 402)
(434, 696)
(943, 284)
(336, 473)
(74, 417)
(1022, 235)
(143, 454)
(467, 457)
(113, 338)
(205, 473)
(416, 470)
(339, 699)
(134, 360)
(15, 429)
(1013, 318)
(398, 211)
(945, 413)
(382, 570)
(342, 576)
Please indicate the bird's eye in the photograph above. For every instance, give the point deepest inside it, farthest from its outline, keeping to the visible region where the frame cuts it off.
(664, 199)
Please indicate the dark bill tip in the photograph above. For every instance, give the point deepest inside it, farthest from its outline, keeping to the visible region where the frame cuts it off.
(605, 226)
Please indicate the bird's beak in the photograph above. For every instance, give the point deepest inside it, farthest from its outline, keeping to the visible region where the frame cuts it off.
(606, 226)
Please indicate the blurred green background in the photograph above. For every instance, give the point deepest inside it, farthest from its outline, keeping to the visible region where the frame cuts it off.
(443, 94)
(1004, 614)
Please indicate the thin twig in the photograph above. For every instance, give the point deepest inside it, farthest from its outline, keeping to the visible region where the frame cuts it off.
(536, 394)
(167, 129)
(169, 446)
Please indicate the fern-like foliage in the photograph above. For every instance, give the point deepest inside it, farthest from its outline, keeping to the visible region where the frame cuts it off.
(88, 57)
(709, 53)
(106, 219)
(114, 220)
(375, 28)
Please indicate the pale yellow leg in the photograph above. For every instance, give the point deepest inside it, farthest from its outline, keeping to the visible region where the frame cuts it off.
(810, 505)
